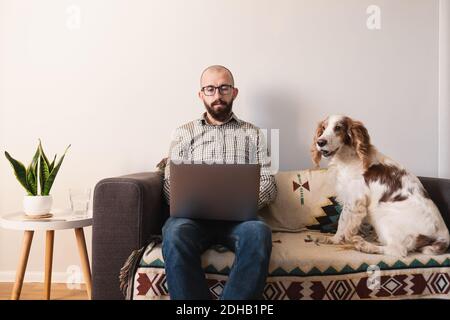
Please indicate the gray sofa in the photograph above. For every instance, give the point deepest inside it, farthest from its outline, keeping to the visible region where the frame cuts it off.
(129, 209)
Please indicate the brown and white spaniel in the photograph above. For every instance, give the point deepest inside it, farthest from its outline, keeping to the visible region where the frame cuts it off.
(375, 189)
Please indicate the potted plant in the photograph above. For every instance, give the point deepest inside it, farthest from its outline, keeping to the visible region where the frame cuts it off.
(37, 179)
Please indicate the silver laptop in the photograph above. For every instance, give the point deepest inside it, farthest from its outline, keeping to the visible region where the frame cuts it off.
(214, 191)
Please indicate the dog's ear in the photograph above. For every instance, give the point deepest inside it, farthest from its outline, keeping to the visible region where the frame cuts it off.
(315, 154)
(360, 140)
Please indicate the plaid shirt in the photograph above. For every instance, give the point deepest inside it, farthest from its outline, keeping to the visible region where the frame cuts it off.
(235, 141)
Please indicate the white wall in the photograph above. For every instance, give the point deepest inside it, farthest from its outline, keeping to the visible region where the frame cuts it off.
(444, 89)
(116, 87)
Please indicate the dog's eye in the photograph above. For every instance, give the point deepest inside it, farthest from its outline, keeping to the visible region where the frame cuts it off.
(337, 128)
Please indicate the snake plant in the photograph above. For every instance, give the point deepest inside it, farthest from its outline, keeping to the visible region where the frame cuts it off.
(38, 177)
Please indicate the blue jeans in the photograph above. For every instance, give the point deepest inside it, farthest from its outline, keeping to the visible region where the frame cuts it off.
(184, 241)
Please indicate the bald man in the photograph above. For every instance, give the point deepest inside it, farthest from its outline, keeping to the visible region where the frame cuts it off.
(219, 136)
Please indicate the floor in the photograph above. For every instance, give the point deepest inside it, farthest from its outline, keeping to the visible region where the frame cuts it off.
(35, 291)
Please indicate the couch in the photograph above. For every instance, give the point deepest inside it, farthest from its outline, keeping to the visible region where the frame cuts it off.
(128, 214)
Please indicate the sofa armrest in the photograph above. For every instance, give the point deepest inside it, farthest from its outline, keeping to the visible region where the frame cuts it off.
(439, 191)
(127, 210)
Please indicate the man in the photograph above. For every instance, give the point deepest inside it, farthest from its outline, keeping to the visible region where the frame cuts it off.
(218, 137)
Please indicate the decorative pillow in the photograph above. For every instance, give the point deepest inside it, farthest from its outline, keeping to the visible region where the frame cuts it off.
(306, 199)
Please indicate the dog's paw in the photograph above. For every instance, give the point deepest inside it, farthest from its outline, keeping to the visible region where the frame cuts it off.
(356, 240)
(326, 240)
(362, 245)
(359, 243)
(336, 240)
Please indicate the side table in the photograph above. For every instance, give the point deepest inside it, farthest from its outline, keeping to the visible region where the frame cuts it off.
(19, 221)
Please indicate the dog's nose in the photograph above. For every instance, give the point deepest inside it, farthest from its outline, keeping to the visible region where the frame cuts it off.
(321, 142)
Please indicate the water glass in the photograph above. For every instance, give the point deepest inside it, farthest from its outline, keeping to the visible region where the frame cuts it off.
(79, 201)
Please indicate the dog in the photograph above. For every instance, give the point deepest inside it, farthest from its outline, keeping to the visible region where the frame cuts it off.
(375, 189)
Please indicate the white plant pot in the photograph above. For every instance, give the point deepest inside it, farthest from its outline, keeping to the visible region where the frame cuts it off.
(37, 205)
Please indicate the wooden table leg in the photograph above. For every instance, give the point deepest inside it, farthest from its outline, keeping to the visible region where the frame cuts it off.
(48, 262)
(84, 258)
(23, 260)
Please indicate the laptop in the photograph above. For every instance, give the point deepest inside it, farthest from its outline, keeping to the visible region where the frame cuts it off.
(214, 191)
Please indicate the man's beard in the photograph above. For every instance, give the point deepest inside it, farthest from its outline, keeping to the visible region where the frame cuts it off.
(223, 113)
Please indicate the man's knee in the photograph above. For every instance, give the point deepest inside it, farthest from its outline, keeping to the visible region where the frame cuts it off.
(174, 226)
(256, 232)
(179, 232)
(178, 228)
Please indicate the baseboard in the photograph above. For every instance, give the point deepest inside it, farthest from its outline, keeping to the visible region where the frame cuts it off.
(38, 276)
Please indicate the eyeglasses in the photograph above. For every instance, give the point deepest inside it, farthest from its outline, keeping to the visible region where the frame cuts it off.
(224, 90)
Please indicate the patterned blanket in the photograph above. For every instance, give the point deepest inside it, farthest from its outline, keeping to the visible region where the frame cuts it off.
(301, 269)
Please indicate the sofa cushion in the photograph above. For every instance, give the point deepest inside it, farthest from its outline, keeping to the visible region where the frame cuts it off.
(301, 269)
(305, 200)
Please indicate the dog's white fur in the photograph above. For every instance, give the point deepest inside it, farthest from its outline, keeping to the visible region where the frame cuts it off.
(375, 189)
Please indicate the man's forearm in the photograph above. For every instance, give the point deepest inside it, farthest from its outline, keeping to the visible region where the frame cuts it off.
(267, 190)
(166, 189)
